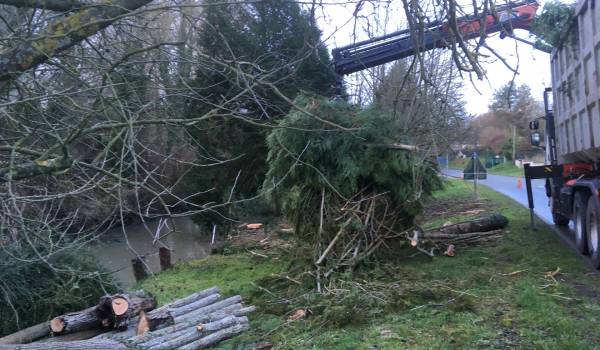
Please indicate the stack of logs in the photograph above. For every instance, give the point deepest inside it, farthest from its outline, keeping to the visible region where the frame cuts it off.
(132, 321)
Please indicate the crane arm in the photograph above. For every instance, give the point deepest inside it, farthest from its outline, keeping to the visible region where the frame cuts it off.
(390, 47)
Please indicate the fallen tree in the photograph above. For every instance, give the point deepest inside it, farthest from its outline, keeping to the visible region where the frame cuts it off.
(447, 238)
(349, 180)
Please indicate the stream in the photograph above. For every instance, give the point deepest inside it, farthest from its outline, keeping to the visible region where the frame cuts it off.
(187, 242)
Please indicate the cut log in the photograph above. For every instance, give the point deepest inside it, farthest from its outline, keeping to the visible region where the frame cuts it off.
(190, 298)
(211, 299)
(216, 337)
(94, 344)
(198, 321)
(192, 334)
(483, 224)
(27, 335)
(76, 321)
(448, 237)
(112, 311)
(83, 335)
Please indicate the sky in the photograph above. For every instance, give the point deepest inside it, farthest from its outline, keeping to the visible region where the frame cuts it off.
(533, 66)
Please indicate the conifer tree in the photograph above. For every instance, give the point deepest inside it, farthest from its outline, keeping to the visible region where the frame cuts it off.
(274, 40)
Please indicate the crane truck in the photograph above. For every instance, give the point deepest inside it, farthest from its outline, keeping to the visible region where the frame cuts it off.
(572, 132)
(572, 105)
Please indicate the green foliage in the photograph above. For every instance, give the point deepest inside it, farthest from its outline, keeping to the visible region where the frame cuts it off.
(35, 289)
(552, 25)
(307, 155)
(274, 37)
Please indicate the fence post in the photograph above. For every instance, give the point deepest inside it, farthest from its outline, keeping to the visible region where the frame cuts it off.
(164, 255)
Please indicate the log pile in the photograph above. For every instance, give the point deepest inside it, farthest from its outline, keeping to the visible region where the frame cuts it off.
(447, 238)
(194, 322)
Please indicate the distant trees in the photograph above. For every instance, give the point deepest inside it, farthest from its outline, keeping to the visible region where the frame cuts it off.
(427, 103)
(510, 110)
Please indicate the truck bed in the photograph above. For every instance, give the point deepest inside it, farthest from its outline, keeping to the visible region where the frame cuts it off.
(576, 88)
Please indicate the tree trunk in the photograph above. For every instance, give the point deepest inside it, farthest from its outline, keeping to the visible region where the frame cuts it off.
(484, 224)
(27, 335)
(113, 311)
(94, 344)
(83, 335)
(76, 321)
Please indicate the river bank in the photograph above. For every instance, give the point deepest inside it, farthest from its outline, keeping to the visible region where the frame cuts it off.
(186, 240)
(526, 290)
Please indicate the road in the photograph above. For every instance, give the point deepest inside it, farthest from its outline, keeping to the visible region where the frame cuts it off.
(508, 186)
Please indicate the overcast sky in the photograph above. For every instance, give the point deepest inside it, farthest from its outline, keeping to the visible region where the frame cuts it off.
(533, 65)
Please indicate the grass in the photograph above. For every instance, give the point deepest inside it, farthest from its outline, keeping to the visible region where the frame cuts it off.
(525, 291)
(506, 169)
(458, 163)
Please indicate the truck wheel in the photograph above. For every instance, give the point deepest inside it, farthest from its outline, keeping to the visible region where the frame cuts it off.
(558, 218)
(579, 219)
(593, 231)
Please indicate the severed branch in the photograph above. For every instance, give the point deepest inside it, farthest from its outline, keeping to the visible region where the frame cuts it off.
(62, 34)
(52, 5)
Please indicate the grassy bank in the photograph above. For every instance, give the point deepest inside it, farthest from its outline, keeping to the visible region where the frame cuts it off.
(458, 163)
(525, 290)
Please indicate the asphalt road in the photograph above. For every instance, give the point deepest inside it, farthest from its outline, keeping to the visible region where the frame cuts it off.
(508, 186)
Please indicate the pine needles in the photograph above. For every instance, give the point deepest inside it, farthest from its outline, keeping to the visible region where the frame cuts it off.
(348, 193)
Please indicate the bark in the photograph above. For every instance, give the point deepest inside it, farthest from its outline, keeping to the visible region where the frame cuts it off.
(61, 34)
(76, 321)
(436, 236)
(83, 335)
(206, 309)
(109, 313)
(53, 5)
(201, 320)
(236, 310)
(27, 335)
(94, 344)
(192, 334)
(34, 168)
(216, 337)
(484, 224)
(191, 298)
(195, 305)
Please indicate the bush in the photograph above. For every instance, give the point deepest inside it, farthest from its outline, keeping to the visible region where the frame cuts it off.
(34, 288)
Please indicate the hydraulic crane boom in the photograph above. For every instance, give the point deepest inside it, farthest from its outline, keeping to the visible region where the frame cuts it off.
(387, 48)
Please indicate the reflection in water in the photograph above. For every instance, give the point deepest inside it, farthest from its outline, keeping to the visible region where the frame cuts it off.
(187, 242)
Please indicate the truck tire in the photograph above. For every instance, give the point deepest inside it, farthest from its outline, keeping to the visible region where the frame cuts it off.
(558, 218)
(580, 204)
(593, 231)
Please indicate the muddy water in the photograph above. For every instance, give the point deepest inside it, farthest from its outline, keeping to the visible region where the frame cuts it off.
(187, 242)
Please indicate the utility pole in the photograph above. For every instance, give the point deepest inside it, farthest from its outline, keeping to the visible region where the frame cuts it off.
(514, 142)
(475, 173)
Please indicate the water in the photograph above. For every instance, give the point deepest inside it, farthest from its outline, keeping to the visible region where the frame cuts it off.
(187, 242)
